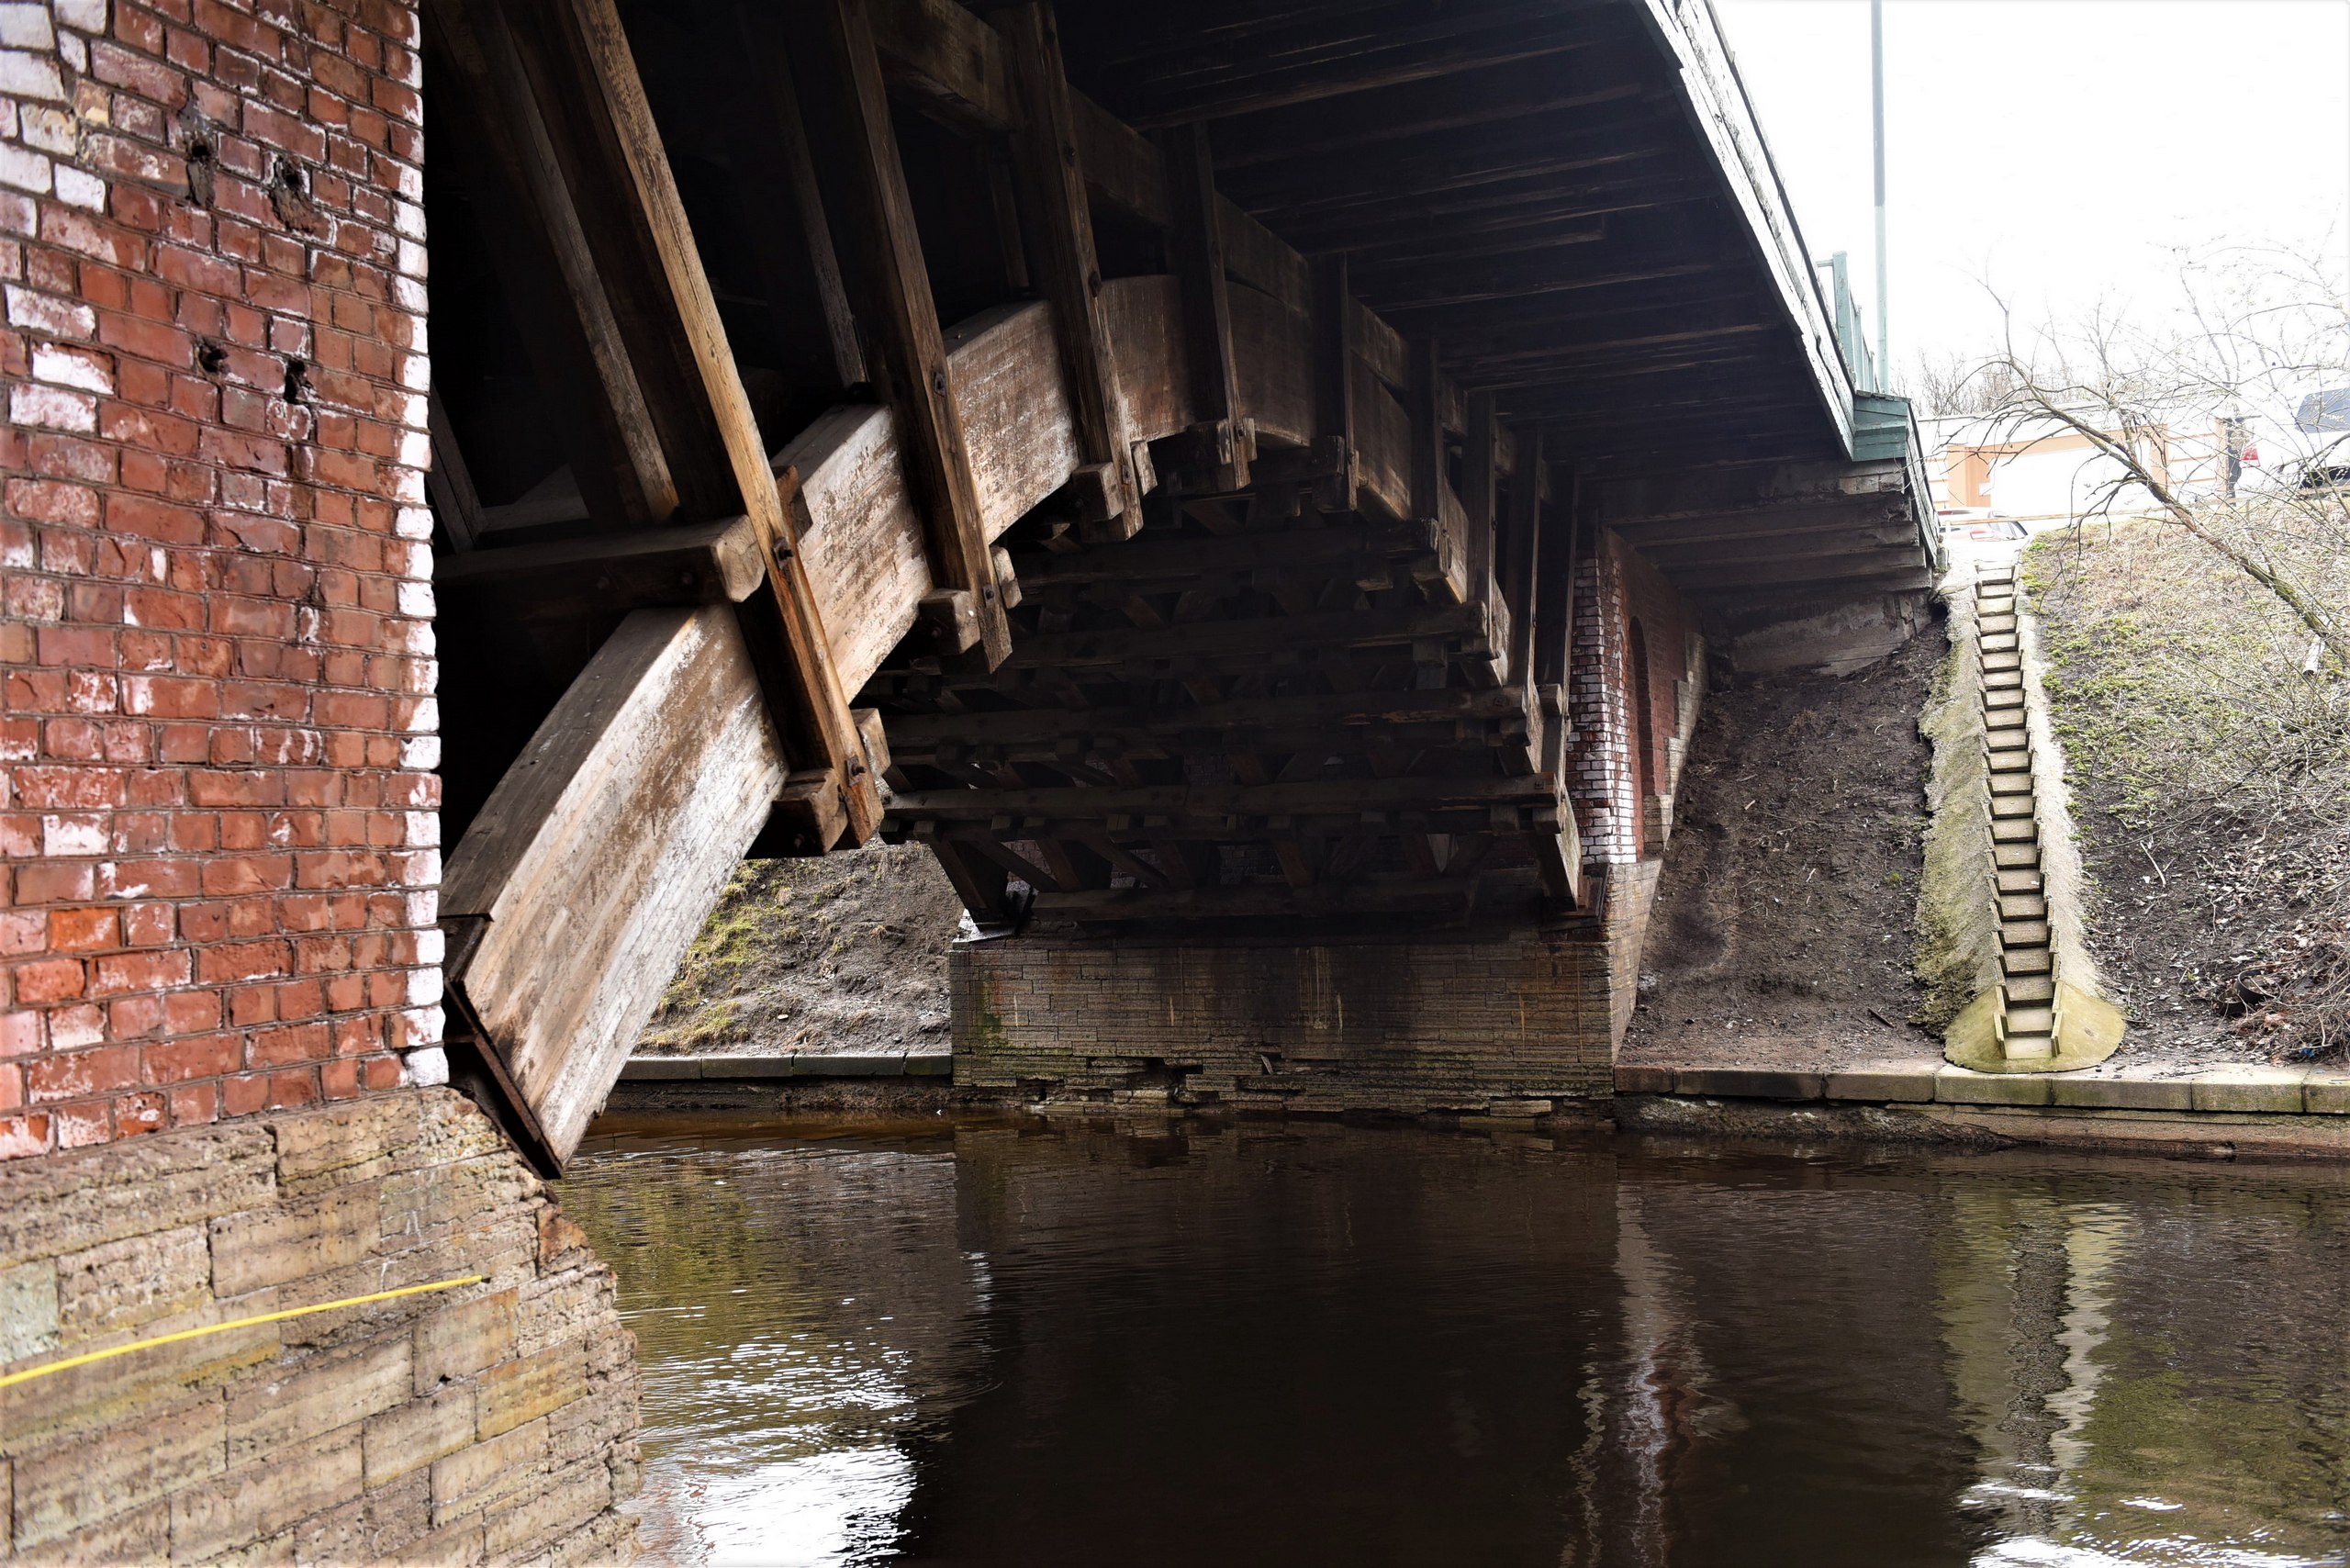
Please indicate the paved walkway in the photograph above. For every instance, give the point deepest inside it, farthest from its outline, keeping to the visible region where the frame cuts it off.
(2231, 1087)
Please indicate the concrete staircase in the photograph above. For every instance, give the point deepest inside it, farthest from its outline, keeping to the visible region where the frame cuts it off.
(2024, 1021)
(2038, 1005)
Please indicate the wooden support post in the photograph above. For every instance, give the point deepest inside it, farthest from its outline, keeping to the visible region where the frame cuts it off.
(1522, 556)
(1060, 247)
(1477, 478)
(1426, 410)
(891, 285)
(1225, 446)
(980, 882)
(1334, 381)
(611, 160)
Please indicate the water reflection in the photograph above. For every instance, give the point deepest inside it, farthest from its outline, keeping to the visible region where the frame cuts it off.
(1006, 1343)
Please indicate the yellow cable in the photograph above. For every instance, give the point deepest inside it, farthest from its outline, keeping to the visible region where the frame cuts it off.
(82, 1360)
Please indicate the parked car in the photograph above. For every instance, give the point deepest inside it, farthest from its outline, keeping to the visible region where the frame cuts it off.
(1982, 528)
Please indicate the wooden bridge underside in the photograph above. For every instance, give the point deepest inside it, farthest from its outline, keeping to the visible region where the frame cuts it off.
(1234, 586)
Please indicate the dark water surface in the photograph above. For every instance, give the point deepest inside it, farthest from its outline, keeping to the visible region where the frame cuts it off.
(995, 1343)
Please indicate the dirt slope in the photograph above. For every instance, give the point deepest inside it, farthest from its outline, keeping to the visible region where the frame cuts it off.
(1781, 933)
(2212, 789)
(843, 954)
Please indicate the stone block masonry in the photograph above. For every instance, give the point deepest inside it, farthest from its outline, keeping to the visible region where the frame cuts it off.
(491, 1423)
(217, 803)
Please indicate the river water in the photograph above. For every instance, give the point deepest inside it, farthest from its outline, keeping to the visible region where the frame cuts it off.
(978, 1343)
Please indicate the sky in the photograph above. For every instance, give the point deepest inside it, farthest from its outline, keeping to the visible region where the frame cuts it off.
(2060, 149)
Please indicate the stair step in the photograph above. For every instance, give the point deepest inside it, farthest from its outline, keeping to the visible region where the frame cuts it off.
(2016, 857)
(2025, 962)
(2012, 698)
(1996, 623)
(1999, 642)
(2011, 783)
(2023, 933)
(2003, 661)
(2003, 681)
(2022, 906)
(2029, 1047)
(2014, 829)
(2030, 990)
(2039, 1021)
(2012, 808)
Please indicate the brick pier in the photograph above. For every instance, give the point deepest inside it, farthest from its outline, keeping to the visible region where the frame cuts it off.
(219, 956)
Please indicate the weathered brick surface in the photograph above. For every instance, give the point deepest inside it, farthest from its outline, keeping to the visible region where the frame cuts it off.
(219, 839)
(496, 1418)
(1439, 1021)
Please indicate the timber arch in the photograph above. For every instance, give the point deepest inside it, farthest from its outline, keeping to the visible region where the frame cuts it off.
(1197, 473)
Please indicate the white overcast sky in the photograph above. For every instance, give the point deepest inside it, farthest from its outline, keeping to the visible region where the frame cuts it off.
(2058, 148)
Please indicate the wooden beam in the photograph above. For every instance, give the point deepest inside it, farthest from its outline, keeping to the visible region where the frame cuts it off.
(597, 857)
(449, 482)
(891, 282)
(1425, 408)
(648, 259)
(1334, 379)
(1478, 455)
(1145, 560)
(1337, 797)
(1385, 896)
(598, 574)
(1462, 625)
(1523, 558)
(1272, 713)
(1059, 244)
(1196, 247)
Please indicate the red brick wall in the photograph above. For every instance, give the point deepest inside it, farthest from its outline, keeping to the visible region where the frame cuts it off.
(216, 723)
(1665, 628)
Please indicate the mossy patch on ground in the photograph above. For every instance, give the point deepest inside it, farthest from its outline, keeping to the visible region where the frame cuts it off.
(846, 953)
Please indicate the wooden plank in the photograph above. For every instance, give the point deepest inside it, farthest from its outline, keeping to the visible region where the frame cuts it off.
(1207, 801)
(891, 282)
(1387, 896)
(1155, 559)
(1060, 235)
(1196, 246)
(597, 856)
(612, 162)
(1334, 379)
(1255, 255)
(1363, 709)
(946, 58)
(1463, 625)
(1121, 165)
(860, 536)
(710, 563)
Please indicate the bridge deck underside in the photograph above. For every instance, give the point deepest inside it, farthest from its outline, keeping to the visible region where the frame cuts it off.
(1175, 526)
